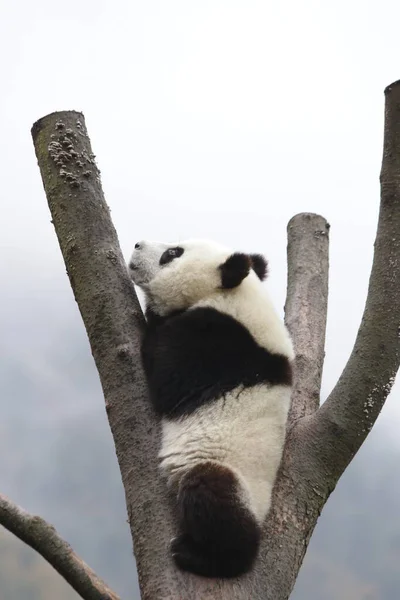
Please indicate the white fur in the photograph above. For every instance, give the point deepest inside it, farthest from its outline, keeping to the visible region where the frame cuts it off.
(244, 431)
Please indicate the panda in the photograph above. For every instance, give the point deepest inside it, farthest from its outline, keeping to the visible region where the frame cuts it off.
(218, 360)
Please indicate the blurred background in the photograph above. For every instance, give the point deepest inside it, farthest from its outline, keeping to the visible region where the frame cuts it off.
(218, 119)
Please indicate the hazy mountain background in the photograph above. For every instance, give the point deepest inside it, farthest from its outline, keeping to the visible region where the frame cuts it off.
(65, 469)
(219, 119)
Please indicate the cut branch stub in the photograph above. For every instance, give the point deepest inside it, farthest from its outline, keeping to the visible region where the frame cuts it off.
(306, 307)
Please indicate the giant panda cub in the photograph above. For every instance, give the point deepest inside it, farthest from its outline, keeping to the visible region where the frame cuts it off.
(218, 362)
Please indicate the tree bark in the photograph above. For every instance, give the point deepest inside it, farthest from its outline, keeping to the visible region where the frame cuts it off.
(114, 323)
(320, 442)
(306, 307)
(347, 416)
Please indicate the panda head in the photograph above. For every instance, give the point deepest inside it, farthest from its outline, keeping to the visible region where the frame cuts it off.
(177, 276)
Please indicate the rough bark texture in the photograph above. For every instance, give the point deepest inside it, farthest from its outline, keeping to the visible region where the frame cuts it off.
(114, 323)
(346, 418)
(306, 307)
(320, 442)
(41, 536)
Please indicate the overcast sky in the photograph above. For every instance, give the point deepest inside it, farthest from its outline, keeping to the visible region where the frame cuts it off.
(218, 118)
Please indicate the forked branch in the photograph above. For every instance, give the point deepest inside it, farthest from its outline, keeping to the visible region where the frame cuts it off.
(42, 536)
(320, 442)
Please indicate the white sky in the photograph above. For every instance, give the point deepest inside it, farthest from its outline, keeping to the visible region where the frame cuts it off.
(218, 118)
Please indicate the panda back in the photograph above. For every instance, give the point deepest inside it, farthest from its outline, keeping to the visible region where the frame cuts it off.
(197, 357)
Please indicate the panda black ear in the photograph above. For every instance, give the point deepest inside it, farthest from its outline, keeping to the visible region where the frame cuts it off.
(235, 269)
(260, 265)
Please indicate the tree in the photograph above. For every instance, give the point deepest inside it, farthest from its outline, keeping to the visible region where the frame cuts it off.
(321, 441)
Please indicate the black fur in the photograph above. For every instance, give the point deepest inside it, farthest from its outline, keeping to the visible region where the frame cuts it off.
(197, 356)
(219, 537)
(234, 270)
(169, 255)
(260, 265)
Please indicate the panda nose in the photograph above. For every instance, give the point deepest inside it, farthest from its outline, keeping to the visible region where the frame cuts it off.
(139, 245)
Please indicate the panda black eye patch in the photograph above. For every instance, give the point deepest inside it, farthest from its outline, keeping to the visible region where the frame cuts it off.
(169, 255)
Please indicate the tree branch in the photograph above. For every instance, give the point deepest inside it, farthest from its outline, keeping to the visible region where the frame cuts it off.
(42, 536)
(114, 323)
(295, 505)
(306, 307)
(347, 416)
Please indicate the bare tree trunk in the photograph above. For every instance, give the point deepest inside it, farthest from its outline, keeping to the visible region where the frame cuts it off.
(321, 441)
